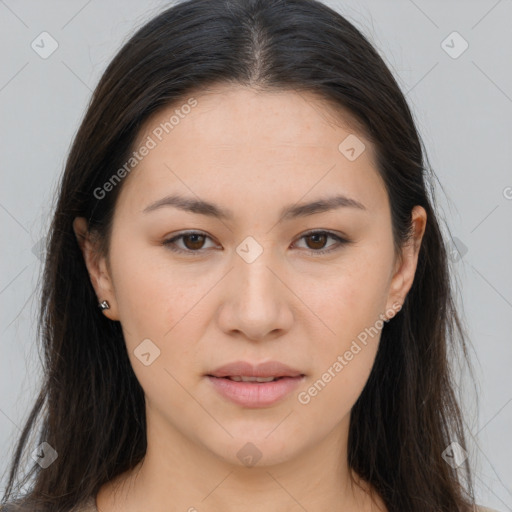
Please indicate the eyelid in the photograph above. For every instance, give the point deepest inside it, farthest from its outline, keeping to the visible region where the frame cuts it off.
(341, 241)
(168, 242)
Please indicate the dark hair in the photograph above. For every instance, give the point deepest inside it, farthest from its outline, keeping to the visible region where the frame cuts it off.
(91, 406)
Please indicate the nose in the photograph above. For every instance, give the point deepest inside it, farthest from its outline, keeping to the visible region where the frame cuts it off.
(255, 301)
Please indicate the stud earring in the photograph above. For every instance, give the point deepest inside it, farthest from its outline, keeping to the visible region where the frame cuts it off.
(104, 305)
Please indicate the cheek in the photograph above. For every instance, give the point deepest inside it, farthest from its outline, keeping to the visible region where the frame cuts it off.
(351, 298)
(162, 303)
(342, 361)
(330, 395)
(152, 295)
(350, 303)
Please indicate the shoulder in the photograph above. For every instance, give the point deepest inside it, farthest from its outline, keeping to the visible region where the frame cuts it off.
(480, 508)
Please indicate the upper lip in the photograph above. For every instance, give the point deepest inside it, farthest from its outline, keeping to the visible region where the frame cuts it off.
(246, 369)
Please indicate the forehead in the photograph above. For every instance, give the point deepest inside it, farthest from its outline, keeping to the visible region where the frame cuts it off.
(265, 145)
(227, 114)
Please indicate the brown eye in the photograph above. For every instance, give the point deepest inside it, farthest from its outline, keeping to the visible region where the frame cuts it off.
(192, 242)
(195, 241)
(318, 240)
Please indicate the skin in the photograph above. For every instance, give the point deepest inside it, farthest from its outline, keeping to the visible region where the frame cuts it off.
(254, 153)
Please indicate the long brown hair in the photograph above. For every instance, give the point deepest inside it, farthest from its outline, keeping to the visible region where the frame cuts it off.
(91, 408)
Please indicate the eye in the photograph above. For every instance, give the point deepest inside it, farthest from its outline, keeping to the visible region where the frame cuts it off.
(319, 238)
(193, 240)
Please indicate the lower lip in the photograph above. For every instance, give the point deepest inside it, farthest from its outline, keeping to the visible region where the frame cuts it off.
(255, 394)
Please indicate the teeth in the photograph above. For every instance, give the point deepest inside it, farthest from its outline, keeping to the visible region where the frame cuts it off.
(252, 379)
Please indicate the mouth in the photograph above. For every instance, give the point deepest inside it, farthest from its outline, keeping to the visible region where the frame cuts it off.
(243, 370)
(254, 386)
(245, 378)
(254, 392)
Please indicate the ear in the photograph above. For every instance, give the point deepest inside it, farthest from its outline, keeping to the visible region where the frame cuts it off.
(96, 266)
(405, 267)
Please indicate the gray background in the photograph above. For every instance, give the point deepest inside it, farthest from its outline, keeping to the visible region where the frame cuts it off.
(463, 107)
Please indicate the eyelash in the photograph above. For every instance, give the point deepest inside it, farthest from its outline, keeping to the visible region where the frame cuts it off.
(341, 241)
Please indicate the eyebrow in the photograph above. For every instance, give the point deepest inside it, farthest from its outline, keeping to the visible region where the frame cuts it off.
(193, 205)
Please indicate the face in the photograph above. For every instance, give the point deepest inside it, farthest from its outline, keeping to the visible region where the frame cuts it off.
(256, 277)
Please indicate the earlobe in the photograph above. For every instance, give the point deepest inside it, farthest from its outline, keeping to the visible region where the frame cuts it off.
(96, 267)
(403, 276)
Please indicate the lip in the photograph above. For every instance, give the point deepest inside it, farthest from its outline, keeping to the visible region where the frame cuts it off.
(255, 394)
(266, 369)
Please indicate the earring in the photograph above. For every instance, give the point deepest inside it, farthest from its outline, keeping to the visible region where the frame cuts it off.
(104, 305)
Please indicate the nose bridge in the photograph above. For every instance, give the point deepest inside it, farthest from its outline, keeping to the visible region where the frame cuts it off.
(252, 270)
(256, 304)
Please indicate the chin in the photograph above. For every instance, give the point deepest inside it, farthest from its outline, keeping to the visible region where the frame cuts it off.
(260, 450)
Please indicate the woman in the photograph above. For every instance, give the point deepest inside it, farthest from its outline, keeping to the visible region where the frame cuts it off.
(246, 201)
